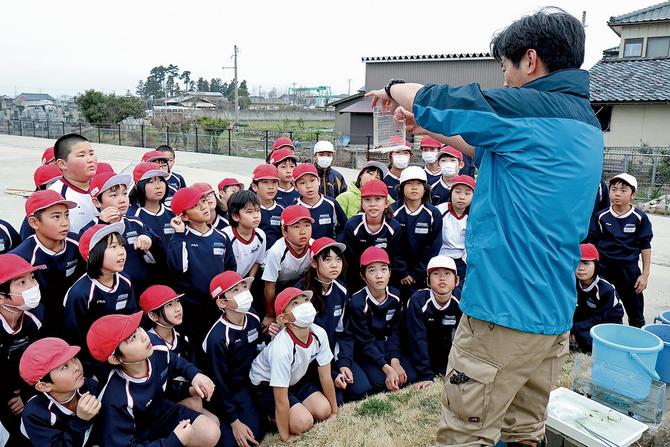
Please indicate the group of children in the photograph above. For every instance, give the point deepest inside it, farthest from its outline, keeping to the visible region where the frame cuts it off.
(137, 310)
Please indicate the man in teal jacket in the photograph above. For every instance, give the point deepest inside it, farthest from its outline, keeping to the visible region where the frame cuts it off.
(539, 149)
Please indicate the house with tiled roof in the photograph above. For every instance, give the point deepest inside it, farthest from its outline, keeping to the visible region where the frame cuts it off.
(630, 85)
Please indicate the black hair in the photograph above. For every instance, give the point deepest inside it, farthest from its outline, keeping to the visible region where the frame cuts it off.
(311, 282)
(4, 287)
(96, 255)
(596, 267)
(166, 148)
(38, 214)
(426, 192)
(238, 201)
(556, 36)
(369, 169)
(138, 195)
(618, 181)
(113, 189)
(64, 144)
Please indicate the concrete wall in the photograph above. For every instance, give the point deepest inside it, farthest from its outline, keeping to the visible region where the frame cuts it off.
(633, 125)
(643, 30)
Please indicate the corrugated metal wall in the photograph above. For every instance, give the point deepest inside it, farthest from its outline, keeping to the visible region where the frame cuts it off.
(486, 72)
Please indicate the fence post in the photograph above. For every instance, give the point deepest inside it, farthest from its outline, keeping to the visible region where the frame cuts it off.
(167, 135)
(367, 152)
(9, 129)
(317, 136)
(229, 143)
(142, 133)
(98, 134)
(34, 129)
(196, 138)
(290, 134)
(48, 129)
(80, 131)
(654, 164)
(63, 127)
(266, 143)
(119, 128)
(21, 127)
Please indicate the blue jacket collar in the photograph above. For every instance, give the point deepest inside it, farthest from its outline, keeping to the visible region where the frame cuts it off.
(569, 81)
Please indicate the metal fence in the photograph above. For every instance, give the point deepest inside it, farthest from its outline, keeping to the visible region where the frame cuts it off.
(649, 165)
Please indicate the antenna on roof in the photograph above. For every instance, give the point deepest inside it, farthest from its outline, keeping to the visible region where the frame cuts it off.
(584, 19)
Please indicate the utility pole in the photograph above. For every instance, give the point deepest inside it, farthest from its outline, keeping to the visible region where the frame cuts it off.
(584, 19)
(349, 91)
(237, 96)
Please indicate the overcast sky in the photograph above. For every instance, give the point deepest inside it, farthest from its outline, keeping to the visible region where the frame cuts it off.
(67, 47)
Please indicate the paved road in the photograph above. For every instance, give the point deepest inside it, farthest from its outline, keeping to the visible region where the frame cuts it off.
(19, 156)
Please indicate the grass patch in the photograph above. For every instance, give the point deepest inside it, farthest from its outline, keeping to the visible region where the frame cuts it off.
(375, 407)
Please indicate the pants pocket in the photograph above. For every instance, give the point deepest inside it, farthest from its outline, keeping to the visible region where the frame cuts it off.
(468, 386)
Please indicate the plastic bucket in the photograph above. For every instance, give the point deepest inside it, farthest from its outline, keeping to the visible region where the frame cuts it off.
(662, 331)
(624, 359)
(663, 318)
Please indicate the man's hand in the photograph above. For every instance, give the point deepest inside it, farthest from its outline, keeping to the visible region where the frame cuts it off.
(88, 406)
(380, 95)
(242, 434)
(402, 115)
(203, 385)
(641, 283)
(143, 242)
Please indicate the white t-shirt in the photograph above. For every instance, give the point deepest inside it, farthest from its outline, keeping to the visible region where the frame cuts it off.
(85, 211)
(284, 361)
(247, 253)
(453, 232)
(281, 265)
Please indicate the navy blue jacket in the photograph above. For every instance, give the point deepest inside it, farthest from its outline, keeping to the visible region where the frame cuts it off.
(175, 183)
(622, 238)
(392, 183)
(9, 238)
(439, 192)
(329, 218)
(176, 388)
(430, 331)
(332, 182)
(287, 197)
(602, 199)
(270, 223)
(596, 304)
(158, 223)
(26, 230)
(331, 318)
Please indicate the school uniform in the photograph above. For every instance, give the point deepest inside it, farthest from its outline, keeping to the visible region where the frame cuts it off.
(284, 266)
(46, 422)
(284, 363)
(430, 329)
(26, 230)
(247, 252)
(602, 201)
(376, 330)
(453, 240)
(85, 210)
(9, 237)
(222, 221)
(332, 182)
(63, 268)
(176, 388)
(230, 349)
(271, 223)
(287, 197)
(598, 303)
(430, 177)
(329, 219)
(620, 240)
(421, 237)
(175, 182)
(392, 183)
(440, 191)
(158, 222)
(136, 411)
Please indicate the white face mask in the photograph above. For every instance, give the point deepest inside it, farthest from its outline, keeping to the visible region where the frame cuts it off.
(324, 162)
(31, 298)
(429, 157)
(400, 161)
(243, 300)
(449, 169)
(304, 314)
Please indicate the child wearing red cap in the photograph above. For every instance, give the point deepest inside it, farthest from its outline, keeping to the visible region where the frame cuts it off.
(430, 151)
(328, 216)
(227, 187)
(288, 259)
(283, 387)
(196, 254)
(76, 159)
(63, 411)
(399, 159)
(247, 239)
(265, 181)
(45, 176)
(597, 300)
(285, 161)
(22, 317)
(55, 247)
(454, 222)
(147, 200)
(9, 237)
(230, 347)
(175, 181)
(218, 218)
(49, 156)
(450, 162)
(375, 322)
(330, 298)
(135, 410)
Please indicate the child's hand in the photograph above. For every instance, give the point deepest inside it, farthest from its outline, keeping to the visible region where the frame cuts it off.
(184, 432)
(340, 382)
(267, 321)
(273, 329)
(177, 224)
(88, 406)
(243, 434)
(143, 242)
(110, 215)
(16, 403)
(203, 386)
(397, 367)
(641, 284)
(422, 385)
(407, 280)
(391, 379)
(348, 375)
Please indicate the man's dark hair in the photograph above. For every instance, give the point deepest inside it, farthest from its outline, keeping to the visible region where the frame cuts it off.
(556, 36)
(165, 148)
(64, 144)
(97, 255)
(238, 201)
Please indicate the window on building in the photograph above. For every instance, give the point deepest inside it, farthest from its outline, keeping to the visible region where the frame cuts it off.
(658, 46)
(632, 47)
(604, 115)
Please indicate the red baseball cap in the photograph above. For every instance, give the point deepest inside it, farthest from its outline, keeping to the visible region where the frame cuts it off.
(95, 234)
(49, 155)
(154, 155)
(374, 188)
(589, 252)
(430, 142)
(225, 281)
(282, 154)
(40, 200)
(46, 173)
(204, 188)
(44, 355)
(157, 296)
(226, 182)
(102, 182)
(103, 167)
(324, 242)
(12, 266)
(285, 297)
(147, 170)
(374, 254)
(463, 180)
(451, 152)
(304, 169)
(265, 172)
(294, 213)
(282, 142)
(185, 199)
(107, 333)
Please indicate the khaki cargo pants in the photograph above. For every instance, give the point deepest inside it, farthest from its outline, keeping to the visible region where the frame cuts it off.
(498, 383)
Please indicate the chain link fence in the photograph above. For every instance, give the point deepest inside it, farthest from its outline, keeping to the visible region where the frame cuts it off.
(649, 165)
